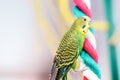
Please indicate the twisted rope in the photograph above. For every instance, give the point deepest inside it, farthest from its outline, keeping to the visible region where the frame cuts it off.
(89, 56)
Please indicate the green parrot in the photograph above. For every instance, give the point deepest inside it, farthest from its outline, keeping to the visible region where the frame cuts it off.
(69, 48)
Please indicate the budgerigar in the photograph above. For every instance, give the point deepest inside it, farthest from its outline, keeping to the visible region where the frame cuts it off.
(69, 48)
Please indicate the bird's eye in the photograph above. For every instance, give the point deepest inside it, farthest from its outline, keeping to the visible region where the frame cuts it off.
(83, 26)
(84, 19)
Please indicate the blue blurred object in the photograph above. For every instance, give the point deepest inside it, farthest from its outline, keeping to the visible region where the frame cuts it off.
(77, 12)
(112, 48)
(91, 63)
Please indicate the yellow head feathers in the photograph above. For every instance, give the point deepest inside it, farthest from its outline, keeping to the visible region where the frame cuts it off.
(82, 24)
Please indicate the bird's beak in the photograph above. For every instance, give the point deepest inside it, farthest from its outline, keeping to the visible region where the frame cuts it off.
(90, 24)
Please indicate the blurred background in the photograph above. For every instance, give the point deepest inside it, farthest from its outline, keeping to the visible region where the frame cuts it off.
(30, 31)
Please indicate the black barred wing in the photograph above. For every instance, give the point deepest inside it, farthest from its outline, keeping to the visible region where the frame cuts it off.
(67, 51)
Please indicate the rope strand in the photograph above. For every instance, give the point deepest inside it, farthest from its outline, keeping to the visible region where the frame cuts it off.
(89, 55)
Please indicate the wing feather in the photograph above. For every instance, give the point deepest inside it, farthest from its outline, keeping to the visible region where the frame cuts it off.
(68, 50)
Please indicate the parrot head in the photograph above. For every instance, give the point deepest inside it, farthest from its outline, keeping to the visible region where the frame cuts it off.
(82, 24)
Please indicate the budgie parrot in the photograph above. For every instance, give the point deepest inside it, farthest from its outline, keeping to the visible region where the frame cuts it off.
(69, 48)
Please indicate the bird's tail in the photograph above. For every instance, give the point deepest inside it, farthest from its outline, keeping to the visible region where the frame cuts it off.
(54, 71)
